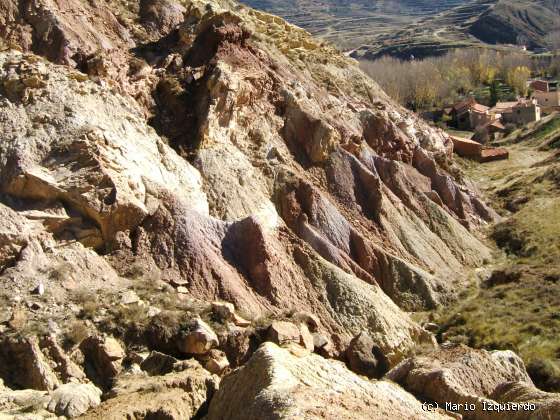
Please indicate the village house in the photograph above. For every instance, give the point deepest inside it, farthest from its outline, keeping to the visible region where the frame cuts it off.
(523, 111)
(480, 115)
(546, 93)
(501, 108)
(468, 114)
(460, 115)
(490, 123)
(474, 150)
(495, 127)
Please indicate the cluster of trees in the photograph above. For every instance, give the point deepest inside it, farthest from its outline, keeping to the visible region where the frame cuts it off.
(436, 81)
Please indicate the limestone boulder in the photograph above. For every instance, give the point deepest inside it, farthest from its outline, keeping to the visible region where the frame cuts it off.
(463, 375)
(283, 333)
(14, 403)
(18, 318)
(103, 357)
(312, 321)
(65, 367)
(278, 384)
(15, 232)
(161, 15)
(215, 362)
(199, 340)
(175, 396)
(238, 344)
(158, 363)
(547, 405)
(25, 366)
(320, 341)
(226, 312)
(72, 400)
(365, 357)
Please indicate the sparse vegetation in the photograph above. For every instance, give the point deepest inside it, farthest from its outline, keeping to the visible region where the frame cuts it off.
(61, 271)
(521, 316)
(550, 127)
(135, 271)
(77, 332)
(88, 301)
(518, 306)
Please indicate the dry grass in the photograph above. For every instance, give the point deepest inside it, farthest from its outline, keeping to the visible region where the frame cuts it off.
(523, 316)
(61, 272)
(77, 332)
(522, 311)
(88, 301)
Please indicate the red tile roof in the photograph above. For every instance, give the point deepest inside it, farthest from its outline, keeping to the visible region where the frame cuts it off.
(464, 106)
(494, 123)
(480, 108)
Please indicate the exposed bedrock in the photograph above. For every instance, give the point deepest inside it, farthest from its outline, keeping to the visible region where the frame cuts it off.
(235, 160)
(477, 379)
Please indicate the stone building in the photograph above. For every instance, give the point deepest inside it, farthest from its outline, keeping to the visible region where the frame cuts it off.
(546, 93)
(523, 111)
(468, 114)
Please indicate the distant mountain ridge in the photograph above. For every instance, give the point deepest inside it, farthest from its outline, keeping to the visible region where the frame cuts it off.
(420, 28)
(415, 7)
(354, 22)
(514, 21)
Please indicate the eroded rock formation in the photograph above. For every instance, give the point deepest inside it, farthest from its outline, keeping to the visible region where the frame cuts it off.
(195, 152)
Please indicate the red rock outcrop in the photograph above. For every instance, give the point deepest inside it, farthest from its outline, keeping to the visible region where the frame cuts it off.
(301, 159)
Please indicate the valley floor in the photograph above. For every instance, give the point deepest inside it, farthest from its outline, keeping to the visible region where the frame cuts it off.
(517, 303)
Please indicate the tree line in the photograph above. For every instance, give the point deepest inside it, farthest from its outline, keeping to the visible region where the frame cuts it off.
(437, 81)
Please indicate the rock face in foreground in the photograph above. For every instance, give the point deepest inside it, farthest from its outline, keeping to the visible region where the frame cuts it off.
(277, 384)
(461, 375)
(177, 395)
(100, 187)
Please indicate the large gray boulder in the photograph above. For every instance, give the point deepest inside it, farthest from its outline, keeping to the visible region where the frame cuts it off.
(278, 383)
(72, 399)
(468, 381)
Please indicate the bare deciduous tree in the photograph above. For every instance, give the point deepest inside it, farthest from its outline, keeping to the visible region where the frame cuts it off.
(435, 81)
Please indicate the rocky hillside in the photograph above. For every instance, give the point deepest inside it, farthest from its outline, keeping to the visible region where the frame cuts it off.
(501, 25)
(401, 28)
(187, 186)
(513, 22)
